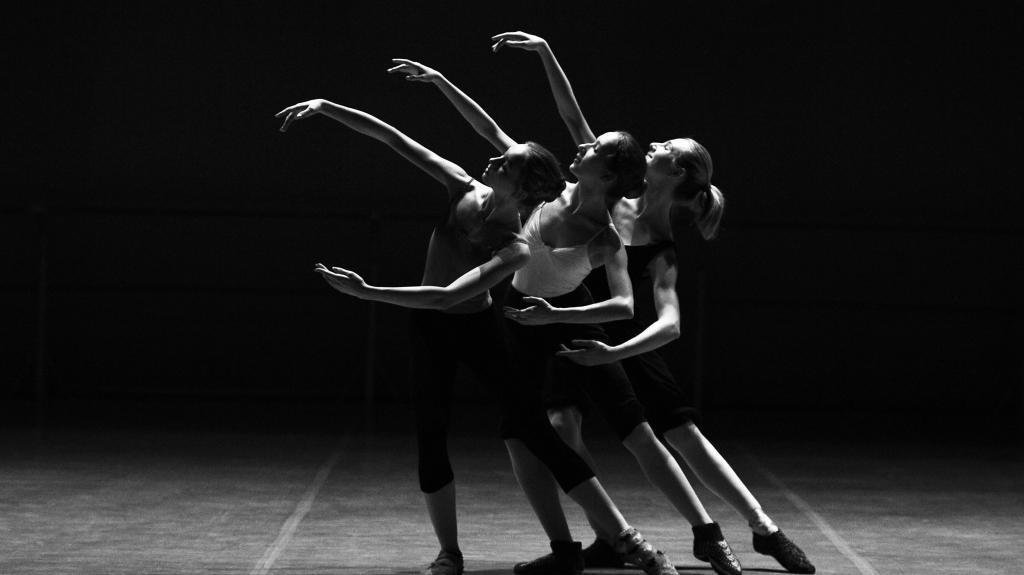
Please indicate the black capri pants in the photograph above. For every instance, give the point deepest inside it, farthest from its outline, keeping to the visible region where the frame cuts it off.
(479, 340)
(606, 385)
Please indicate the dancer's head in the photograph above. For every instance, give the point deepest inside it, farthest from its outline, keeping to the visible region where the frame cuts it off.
(685, 166)
(614, 161)
(528, 172)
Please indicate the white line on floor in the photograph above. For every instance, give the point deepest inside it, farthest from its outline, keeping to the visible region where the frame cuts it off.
(301, 509)
(859, 562)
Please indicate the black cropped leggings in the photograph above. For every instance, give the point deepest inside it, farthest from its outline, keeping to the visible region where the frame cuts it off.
(606, 385)
(441, 340)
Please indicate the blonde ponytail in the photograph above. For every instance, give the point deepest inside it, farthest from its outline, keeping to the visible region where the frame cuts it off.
(710, 217)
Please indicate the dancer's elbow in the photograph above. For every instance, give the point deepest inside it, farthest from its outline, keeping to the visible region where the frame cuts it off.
(624, 308)
(444, 300)
(673, 330)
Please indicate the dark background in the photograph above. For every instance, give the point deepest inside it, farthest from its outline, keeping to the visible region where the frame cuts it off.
(159, 233)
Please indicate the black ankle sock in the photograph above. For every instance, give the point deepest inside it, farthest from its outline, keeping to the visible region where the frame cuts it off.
(455, 551)
(708, 532)
(560, 547)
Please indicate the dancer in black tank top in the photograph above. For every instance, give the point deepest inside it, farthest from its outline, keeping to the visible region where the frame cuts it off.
(475, 245)
(678, 173)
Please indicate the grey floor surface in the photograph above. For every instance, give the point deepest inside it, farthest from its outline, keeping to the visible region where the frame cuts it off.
(150, 500)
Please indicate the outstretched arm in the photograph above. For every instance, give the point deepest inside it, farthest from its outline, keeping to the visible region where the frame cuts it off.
(473, 282)
(568, 107)
(664, 330)
(448, 173)
(470, 110)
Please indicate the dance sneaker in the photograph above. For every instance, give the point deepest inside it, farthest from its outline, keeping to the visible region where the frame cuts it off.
(566, 558)
(447, 563)
(710, 545)
(784, 551)
(601, 555)
(635, 550)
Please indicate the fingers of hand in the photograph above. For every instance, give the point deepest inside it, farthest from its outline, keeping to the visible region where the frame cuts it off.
(505, 35)
(585, 343)
(537, 301)
(287, 121)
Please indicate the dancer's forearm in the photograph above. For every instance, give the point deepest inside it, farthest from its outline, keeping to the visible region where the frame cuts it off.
(477, 117)
(565, 98)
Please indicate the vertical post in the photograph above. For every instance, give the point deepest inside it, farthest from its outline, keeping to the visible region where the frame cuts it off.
(370, 357)
(700, 338)
(1018, 345)
(40, 390)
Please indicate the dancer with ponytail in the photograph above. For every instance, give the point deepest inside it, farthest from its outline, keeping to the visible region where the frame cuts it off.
(475, 244)
(568, 237)
(678, 174)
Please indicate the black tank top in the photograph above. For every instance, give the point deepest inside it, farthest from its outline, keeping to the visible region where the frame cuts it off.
(640, 278)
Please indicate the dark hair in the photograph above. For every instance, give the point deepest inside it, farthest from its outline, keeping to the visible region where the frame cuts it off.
(628, 163)
(706, 201)
(541, 178)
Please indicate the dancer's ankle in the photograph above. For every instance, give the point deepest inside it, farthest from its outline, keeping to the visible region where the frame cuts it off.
(762, 524)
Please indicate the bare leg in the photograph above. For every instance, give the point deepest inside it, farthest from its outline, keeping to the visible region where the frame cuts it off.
(663, 471)
(599, 507)
(715, 472)
(441, 507)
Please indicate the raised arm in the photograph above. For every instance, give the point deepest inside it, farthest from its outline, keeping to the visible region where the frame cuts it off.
(470, 110)
(473, 282)
(568, 107)
(448, 173)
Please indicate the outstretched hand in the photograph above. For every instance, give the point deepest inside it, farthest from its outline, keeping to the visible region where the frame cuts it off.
(520, 40)
(540, 313)
(346, 281)
(414, 71)
(299, 111)
(588, 352)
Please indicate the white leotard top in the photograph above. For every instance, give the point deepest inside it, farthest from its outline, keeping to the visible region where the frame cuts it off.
(551, 271)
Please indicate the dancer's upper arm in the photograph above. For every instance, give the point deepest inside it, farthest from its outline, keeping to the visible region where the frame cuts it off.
(445, 171)
(664, 272)
(442, 170)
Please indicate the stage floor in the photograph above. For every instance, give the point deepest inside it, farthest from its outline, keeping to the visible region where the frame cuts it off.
(151, 499)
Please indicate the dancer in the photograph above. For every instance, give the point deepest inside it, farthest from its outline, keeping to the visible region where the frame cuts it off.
(678, 174)
(568, 237)
(474, 246)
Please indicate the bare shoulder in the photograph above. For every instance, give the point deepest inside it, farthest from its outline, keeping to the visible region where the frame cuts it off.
(607, 240)
(460, 187)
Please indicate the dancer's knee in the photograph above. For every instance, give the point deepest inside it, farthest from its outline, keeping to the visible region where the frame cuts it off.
(684, 436)
(688, 440)
(643, 444)
(435, 469)
(626, 419)
(568, 423)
